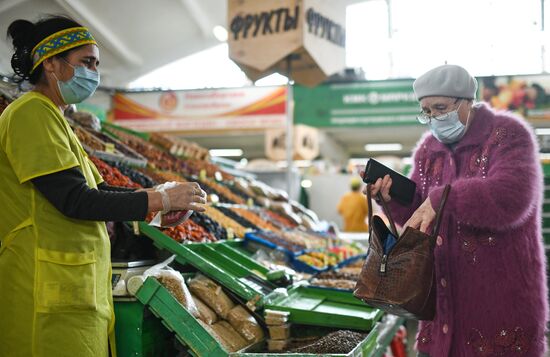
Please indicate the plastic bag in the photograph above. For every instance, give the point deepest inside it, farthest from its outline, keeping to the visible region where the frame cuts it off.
(211, 294)
(171, 218)
(245, 324)
(206, 314)
(174, 282)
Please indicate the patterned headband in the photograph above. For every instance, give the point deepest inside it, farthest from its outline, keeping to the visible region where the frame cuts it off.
(59, 42)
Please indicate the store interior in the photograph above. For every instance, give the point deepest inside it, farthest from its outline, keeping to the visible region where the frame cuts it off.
(269, 268)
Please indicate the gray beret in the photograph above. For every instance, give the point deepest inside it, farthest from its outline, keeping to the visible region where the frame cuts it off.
(446, 81)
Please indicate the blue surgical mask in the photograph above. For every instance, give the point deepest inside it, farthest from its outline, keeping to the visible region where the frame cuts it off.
(80, 87)
(447, 128)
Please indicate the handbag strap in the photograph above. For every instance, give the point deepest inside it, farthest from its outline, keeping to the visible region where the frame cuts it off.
(439, 214)
(386, 210)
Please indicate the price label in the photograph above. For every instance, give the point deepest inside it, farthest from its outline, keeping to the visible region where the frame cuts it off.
(135, 225)
(110, 148)
(218, 176)
(230, 234)
(202, 175)
(250, 202)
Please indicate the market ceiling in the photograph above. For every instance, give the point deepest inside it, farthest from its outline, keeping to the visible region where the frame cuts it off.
(135, 36)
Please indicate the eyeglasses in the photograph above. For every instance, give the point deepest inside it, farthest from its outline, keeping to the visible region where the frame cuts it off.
(424, 118)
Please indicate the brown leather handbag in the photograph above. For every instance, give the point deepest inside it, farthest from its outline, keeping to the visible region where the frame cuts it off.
(401, 282)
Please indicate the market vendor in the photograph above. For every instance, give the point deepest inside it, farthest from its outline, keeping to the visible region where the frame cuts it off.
(55, 278)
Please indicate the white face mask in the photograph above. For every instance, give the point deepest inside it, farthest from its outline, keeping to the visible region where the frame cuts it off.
(447, 127)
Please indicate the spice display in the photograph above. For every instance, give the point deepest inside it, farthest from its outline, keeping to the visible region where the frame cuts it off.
(238, 218)
(209, 225)
(112, 176)
(339, 342)
(226, 222)
(254, 219)
(189, 231)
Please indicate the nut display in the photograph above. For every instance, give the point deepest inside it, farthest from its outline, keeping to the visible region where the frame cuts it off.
(189, 231)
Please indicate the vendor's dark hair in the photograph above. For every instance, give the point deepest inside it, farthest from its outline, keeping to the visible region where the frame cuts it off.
(25, 35)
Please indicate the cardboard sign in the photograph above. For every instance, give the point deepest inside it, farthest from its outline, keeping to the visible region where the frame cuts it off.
(263, 34)
(306, 143)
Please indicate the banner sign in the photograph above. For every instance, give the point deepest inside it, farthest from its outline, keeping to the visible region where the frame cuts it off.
(200, 110)
(356, 104)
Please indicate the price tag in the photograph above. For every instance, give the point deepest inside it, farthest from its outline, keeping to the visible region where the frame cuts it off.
(250, 202)
(218, 176)
(202, 175)
(135, 225)
(230, 234)
(110, 148)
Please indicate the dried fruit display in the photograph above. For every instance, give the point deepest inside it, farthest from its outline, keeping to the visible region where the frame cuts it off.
(112, 176)
(223, 191)
(225, 221)
(237, 217)
(280, 241)
(133, 174)
(255, 219)
(179, 147)
(196, 166)
(88, 139)
(156, 157)
(189, 231)
(126, 151)
(209, 224)
(334, 283)
(4, 102)
(279, 219)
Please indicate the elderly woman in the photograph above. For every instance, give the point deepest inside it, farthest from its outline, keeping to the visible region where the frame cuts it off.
(490, 264)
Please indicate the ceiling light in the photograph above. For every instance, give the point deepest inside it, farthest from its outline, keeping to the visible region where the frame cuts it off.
(226, 152)
(220, 33)
(384, 147)
(306, 183)
(542, 131)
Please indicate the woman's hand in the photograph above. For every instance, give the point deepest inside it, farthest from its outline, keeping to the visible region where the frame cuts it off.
(187, 196)
(381, 185)
(422, 217)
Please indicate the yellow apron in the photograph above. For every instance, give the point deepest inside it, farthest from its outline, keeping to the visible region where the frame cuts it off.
(55, 274)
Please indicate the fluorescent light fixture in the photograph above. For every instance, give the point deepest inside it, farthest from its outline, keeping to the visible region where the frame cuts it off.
(226, 152)
(220, 33)
(384, 147)
(306, 183)
(542, 131)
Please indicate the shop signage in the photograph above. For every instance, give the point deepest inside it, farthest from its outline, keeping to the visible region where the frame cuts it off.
(202, 110)
(356, 104)
(305, 143)
(265, 34)
(324, 27)
(264, 23)
(393, 102)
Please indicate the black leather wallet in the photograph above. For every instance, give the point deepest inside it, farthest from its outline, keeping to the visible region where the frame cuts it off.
(402, 188)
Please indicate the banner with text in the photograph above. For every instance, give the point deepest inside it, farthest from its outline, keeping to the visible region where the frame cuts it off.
(356, 104)
(202, 110)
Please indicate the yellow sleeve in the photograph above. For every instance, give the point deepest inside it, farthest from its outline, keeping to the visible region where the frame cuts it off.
(37, 143)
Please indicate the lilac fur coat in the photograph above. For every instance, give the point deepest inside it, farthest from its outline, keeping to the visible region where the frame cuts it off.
(490, 262)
